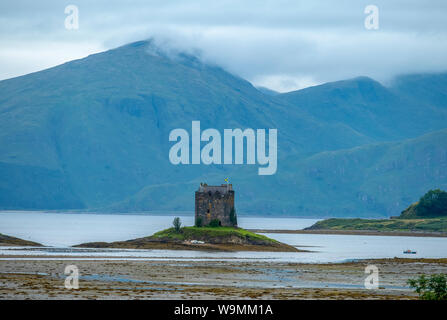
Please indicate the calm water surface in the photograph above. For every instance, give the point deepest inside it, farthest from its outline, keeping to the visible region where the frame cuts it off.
(61, 230)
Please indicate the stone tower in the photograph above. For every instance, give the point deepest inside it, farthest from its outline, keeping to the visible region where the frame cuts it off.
(215, 202)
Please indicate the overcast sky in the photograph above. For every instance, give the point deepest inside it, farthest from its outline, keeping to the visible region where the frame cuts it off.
(283, 45)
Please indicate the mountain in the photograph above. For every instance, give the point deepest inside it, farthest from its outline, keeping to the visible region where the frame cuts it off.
(92, 134)
(99, 126)
(374, 180)
(382, 113)
(268, 91)
(427, 89)
(377, 180)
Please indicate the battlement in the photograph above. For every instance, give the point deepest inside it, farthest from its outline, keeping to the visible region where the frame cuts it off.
(222, 189)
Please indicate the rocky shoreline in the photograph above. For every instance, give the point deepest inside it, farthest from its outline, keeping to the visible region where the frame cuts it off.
(148, 243)
(200, 238)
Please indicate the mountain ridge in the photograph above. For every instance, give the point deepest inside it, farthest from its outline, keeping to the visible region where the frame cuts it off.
(99, 126)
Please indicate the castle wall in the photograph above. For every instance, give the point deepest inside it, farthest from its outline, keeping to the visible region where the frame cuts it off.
(214, 205)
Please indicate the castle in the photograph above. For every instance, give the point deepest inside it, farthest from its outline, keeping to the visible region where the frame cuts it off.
(215, 203)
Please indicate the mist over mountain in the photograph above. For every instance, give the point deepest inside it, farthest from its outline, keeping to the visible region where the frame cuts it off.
(93, 134)
(268, 91)
(427, 89)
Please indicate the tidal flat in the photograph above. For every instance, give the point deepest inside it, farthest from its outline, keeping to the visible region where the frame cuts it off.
(146, 279)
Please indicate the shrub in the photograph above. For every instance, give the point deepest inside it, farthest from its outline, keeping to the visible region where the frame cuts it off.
(177, 224)
(215, 223)
(233, 218)
(433, 288)
(199, 222)
(433, 203)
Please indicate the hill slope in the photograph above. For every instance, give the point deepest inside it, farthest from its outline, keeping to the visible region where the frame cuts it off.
(13, 241)
(373, 180)
(433, 204)
(99, 126)
(378, 112)
(93, 133)
(426, 226)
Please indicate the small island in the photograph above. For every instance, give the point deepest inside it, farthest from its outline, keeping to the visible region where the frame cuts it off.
(215, 229)
(216, 238)
(427, 217)
(12, 241)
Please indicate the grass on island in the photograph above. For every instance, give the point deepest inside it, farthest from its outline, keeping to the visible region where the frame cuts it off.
(429, 214)
(421, 225)
(211, 233)
(214, 238)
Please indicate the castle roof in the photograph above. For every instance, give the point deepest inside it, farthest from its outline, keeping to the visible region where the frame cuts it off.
(224, 188)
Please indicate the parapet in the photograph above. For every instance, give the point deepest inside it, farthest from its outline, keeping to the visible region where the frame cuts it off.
(222, 189)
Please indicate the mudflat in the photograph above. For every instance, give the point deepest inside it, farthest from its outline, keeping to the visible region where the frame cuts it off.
(210, 279)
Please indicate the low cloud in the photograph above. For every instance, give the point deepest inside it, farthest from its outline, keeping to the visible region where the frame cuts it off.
(283, 45)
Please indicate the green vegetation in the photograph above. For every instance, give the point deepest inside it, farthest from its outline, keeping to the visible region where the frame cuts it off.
(214, 223)
(430, 205)
(199, 222)
(433, 288)
(212, 235)
(233, 217)
(422, 225)
(427, 215)
(177, 224)
(205, 238)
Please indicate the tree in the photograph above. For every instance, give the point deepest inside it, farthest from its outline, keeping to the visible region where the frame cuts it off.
(433, 288)
(177, 224)
(199, 222)
(233, 217)
(433, 203)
